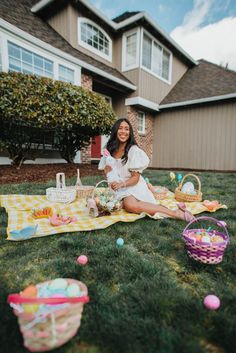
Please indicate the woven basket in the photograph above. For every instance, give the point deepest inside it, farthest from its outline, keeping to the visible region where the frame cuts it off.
(183, 197)
(60, 193)
(160, 192)
(82, 191)
(53, 329)
(104, 210)
(204, 252)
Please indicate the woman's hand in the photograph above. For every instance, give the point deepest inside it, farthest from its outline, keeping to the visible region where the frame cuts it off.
(115, 185)
(107, 169)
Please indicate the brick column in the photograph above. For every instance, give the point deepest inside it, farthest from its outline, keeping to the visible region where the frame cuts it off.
(145, 141)
(85, 153)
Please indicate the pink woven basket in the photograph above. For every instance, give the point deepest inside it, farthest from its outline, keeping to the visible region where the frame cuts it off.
(204, 252)
(43, 332)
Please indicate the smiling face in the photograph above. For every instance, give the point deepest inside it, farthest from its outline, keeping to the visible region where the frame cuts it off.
(123, 132)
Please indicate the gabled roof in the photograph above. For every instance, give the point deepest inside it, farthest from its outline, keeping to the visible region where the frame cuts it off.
(203, 83)
(19, 14)
(124, 16)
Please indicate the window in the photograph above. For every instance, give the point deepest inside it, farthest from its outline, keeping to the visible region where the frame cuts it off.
(155, 58)
(130, 49)
(94, 38)
(28, 62)
(0, 55)
(141, 122)
(65, 74)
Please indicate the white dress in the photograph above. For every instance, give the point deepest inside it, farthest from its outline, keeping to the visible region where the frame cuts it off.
(137, 161)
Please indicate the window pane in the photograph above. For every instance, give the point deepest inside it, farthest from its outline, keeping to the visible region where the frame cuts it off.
(157, 59)
(141, 122)
(147, 51)
(131, 46)
(165, 65)
(66, 74)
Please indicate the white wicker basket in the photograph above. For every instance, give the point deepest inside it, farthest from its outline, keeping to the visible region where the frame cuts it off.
(61, 193)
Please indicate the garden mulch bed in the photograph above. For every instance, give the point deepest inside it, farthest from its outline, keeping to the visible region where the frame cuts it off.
(43, 172)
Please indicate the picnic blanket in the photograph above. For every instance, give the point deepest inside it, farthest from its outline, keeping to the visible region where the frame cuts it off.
(19, 209)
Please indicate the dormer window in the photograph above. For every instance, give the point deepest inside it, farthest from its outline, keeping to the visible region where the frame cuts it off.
(94, 38)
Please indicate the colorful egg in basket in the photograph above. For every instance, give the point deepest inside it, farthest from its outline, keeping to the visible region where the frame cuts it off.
(206, 245)
(49, 313)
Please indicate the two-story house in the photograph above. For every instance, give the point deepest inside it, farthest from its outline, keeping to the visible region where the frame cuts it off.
(183, 111)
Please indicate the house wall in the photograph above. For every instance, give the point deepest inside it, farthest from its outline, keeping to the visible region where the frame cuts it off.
(196, 138)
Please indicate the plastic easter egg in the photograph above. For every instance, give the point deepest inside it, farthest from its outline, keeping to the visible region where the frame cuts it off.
(58, 283)
(73, 290)
(211, 302)
(179, 177)
(120, 242)
(188, 187)
(82, 259)
(206, 239)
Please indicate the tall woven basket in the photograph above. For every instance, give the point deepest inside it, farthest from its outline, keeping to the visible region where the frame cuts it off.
(204, 252)
(183, 197)
(56, 326)
(60, 193)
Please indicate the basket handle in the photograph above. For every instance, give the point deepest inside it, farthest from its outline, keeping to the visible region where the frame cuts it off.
(221, 224)
(102, 181)
(193, 175)
(60, 181)
(78, 181)
(18, 299)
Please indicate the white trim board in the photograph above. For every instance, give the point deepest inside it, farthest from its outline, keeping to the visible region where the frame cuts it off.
(142, 102)
(198, 101)
(18, 33)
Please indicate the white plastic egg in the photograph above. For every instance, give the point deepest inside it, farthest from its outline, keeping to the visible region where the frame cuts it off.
(188, 188)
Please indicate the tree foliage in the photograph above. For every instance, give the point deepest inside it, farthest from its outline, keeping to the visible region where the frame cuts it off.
(75, 114)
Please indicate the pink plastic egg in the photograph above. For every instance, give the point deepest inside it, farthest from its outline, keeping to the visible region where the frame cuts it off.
(82, 259)
(211, 302)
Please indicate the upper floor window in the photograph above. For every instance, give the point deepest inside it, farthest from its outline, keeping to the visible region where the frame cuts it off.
(94, 38)
(130, 49)
(65, 74)
(28, 62)
(141, 122)
(155, 57)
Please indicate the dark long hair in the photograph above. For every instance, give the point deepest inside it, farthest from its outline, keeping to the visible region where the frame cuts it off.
(113, 142)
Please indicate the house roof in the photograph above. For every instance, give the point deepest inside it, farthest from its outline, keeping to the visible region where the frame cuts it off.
(204, 82)
(19, 14)
(124, 16)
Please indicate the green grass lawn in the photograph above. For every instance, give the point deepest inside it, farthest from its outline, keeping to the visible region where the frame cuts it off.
(146, 297)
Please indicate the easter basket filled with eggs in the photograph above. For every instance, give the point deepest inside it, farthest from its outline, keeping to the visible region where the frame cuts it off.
(103, 201)
(206, 245)
(49, 313)
(186, 192)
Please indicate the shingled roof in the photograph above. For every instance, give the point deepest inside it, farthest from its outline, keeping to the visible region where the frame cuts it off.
(124, 16)
(202, 81)
(18, 13)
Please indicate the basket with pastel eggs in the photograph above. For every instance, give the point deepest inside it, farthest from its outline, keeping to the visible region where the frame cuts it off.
(186, 192)
(49, 313)
(206, 245)
(103, 201)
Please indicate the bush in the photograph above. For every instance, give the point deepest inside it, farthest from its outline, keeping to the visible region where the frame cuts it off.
(75, 114)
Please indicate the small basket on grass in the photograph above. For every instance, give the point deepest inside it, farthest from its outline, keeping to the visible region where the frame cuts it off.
(83, 191)
(104, 199)
(55, 324)
(60, 193)
(206, 245)
(185, 197)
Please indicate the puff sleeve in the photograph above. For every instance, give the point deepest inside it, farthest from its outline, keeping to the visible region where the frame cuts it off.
(102, 163)
(137, 159)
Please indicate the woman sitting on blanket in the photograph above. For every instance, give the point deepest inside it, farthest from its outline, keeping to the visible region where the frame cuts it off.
(130, 161)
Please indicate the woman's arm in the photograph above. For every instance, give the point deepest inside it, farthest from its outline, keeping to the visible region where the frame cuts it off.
(133, 180)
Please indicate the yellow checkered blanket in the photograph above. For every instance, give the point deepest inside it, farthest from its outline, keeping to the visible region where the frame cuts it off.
(19, 209)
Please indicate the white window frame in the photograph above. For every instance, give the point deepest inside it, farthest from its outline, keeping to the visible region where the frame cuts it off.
(5, 37)
(137, 31)
(142, 115)
(163, 47)
(90, 47)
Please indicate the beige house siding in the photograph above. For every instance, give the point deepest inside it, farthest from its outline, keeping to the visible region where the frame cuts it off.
(198, 138)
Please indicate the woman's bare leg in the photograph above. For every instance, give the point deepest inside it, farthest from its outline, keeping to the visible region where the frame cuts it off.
(131, 204)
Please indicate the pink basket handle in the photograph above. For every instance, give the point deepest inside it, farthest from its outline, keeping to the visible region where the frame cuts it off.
(219, 223)
(18, 299)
